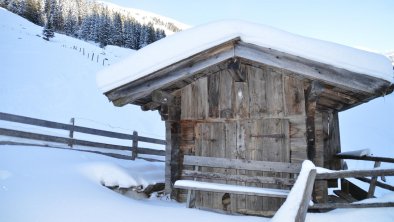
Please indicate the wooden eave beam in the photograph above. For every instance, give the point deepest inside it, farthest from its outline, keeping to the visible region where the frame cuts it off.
(169, 75)
(370, 86)
(314, 70)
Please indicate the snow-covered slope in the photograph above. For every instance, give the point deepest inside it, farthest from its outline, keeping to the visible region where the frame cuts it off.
(167, 24)
(55, 80)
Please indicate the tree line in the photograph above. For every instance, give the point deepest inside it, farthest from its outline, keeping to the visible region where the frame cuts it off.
(88, 20)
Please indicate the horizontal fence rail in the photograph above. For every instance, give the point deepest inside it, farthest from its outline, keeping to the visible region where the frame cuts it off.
(81, 129)
(133, 148)
(368, 158)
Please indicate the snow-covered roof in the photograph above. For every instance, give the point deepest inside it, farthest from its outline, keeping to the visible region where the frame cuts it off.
(179, 46)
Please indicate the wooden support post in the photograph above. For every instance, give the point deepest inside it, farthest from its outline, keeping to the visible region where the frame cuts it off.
(134, 151)
(92, 56)
(171, 113)
(372, 185)
(312, 96)
(71, 135)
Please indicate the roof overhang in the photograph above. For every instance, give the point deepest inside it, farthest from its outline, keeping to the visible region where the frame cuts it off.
(181, 73)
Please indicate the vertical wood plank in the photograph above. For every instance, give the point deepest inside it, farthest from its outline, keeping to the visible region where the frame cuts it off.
(274, 92)
(201, 98)
(241, 100)
(298, 141)
(225, 93)
(294, 96)
(213, 95)
(186, 102)
(257, 91)
(230, 204)
(242, 130)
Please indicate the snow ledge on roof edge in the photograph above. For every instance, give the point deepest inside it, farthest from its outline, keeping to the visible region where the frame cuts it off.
(184, 44)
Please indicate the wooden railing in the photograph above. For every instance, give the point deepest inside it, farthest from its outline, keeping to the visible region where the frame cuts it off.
(71, 141)
(362, 176)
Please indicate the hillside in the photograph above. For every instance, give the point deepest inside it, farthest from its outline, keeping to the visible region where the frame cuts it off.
(56, 80)
(169, 25)
(99, 22)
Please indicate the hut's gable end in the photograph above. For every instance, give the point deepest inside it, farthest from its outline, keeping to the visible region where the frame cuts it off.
(344, 90)
(265, 93)
(251, 119)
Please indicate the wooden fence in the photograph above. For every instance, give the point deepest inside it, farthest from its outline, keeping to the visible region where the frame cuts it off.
(134, 149)
(350, 192)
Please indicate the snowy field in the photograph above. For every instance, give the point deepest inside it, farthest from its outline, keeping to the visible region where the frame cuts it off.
(51, 80)
(46, 185)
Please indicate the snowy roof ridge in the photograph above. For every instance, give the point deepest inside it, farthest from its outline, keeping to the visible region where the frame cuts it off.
(189, 42)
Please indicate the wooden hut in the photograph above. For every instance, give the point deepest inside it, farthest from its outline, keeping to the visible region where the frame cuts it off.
(245, 91)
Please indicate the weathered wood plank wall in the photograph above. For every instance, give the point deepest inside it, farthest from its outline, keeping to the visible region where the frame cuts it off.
(260, 117)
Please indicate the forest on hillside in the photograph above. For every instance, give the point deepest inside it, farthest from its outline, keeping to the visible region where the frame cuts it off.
(90, 21)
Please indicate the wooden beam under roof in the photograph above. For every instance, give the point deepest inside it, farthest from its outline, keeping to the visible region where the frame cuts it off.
(193, 68)
(184, 69)
(312, 69)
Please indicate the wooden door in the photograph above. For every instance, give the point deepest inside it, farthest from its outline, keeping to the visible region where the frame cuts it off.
(256, 139)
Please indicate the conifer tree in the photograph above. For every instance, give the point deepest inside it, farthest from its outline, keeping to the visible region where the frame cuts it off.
(48, 29)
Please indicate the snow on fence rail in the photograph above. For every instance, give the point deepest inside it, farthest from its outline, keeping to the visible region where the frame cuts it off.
(70, 141)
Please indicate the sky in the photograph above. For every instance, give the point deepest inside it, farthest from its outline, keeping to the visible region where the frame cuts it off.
(365, 24)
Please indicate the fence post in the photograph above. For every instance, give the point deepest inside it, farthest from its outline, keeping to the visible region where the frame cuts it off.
(372, 185)
(71, 135)
(134, 153)
(92, 56)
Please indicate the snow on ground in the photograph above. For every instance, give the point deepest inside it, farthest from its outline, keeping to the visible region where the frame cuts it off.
(45, 185)
(41, 184)
(197, 39)
(53, 81)
(359, 215)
